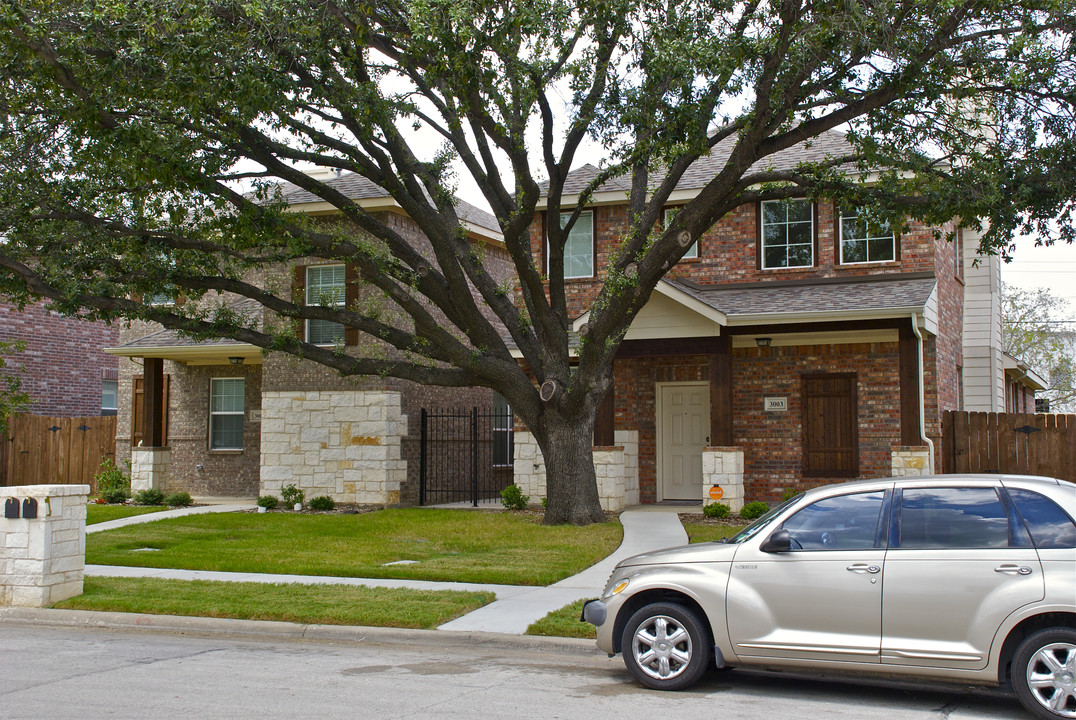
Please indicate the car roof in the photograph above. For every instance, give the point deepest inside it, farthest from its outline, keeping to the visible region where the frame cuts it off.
(947, 480)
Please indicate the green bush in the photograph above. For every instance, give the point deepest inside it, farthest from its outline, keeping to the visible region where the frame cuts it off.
(113, 486)
(267, 501)
(178, 499)
(292, 495)
(754, 510)
(322, 502)
(513, 498)
(716, 510)
(151, 496)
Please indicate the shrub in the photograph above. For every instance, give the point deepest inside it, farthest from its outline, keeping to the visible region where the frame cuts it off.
(513, 498)
(267, 501)
(292, 495)
(754, 510)
(322, 502)
(716, 510)
(113, 486)
(151, 496)
(178, 499)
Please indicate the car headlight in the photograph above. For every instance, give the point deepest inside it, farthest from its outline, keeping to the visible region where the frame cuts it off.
(615, 588)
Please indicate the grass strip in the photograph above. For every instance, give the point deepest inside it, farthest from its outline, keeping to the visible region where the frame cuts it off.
(445, 545)
(699, 532)
(297, 603)
(564, 623)
(103, 513)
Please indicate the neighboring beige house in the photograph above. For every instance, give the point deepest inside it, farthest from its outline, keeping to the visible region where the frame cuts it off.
(240, 423)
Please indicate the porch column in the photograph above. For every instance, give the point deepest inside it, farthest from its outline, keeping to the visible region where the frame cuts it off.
(150, 462)
(604, 423)
(721, 392)
(908, 373)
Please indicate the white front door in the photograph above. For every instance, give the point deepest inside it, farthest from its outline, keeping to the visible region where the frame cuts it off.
(683, 431)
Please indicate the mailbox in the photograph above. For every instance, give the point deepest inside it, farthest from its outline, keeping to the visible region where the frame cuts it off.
(11, 509)
(29, 508)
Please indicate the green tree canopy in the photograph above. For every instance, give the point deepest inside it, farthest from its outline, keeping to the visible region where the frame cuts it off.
(1039, 329)
(141, 142)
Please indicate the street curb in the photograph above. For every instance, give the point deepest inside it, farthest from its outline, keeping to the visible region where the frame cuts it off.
(265, 630)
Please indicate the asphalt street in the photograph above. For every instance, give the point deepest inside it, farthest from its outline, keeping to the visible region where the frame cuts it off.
(85, 673)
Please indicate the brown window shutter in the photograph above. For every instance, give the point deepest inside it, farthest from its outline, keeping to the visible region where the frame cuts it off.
(298, 296)
(351, 298)
(830, 425)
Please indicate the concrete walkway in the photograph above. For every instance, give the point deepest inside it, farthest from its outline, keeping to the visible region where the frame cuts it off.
(646, 528)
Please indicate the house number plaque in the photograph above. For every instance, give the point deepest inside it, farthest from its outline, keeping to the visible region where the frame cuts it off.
(775, 404)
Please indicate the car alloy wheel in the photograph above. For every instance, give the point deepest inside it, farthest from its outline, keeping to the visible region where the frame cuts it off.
(665, 647)
(1044, 673)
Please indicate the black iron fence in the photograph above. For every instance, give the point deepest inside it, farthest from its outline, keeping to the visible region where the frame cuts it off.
(465, 456)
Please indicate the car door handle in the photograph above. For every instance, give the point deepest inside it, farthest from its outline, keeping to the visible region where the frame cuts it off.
(864, 568)
(1010, 569)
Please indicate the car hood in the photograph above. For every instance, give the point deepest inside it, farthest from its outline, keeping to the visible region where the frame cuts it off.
(700, 552)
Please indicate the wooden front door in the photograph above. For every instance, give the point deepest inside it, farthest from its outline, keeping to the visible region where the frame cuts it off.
(830, 425)
(683, 431)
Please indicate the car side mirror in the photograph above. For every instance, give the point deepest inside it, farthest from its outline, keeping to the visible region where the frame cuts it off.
(780, 541)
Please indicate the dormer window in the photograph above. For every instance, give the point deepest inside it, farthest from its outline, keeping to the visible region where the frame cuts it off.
(787, 234)
(865, 239)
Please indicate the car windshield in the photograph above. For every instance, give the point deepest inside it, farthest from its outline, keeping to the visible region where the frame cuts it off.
(751, 530)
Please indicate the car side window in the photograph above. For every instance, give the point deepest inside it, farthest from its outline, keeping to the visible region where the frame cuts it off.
(845, 522)
(935, 518)
(1049, 525)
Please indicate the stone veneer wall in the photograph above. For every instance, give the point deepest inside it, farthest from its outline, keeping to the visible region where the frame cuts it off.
(911, 461)
(617, 469)
(340, 443)
(149, 468)
(42, 560)
(723, 466)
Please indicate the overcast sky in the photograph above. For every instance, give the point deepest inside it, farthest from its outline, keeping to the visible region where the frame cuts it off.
(1051, 267)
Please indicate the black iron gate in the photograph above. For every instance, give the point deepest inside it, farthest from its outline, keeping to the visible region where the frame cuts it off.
(465, 456)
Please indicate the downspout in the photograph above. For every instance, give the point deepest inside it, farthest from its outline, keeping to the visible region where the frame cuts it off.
(922, 395)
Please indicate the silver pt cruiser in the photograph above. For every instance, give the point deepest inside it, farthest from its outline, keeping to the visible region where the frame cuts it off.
(968, 578)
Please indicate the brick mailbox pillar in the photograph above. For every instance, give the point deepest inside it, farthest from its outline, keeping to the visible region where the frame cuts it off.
(42, 543)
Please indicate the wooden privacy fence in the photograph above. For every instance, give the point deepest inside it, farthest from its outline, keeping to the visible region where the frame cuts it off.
(1009, 443)
(43, 450)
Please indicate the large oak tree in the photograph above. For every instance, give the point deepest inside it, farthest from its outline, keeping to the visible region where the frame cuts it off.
(140, 141)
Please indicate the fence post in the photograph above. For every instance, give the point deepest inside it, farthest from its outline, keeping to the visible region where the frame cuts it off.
(422, 459)
(474, 456)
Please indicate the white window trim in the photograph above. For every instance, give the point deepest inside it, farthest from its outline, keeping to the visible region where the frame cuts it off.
(693, 251)
(892, 236)
(593, 242)
(762, 236)
(114, 407)
(230, 413)
(306, 299)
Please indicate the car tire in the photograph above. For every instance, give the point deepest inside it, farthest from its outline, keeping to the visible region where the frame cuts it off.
(665, 646)
(1044, 673)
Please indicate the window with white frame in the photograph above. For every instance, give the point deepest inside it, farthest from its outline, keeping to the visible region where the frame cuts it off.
(110, 395)
(787, 233)
(226, 409)
(503, 432)
(325, 286)
(865, 238)
(670, 213)
(579, 246)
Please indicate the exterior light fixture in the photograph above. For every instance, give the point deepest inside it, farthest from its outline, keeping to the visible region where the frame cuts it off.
(236, 360)
(763, 341)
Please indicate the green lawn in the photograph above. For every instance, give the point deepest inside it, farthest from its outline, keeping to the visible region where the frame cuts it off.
(564, 623)
(448, 545)
(321, 604)
(103, 513)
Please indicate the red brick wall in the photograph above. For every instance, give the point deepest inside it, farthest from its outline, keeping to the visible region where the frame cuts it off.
(64, 363)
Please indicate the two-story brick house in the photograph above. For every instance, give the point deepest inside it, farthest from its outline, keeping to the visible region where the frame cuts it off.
(796, 343)
(237, 422)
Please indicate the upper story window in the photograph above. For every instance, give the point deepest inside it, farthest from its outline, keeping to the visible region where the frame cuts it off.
(579, 246)
(787, 234)
(865, 239)
(325, 285)
(668, 215)
(110, 394)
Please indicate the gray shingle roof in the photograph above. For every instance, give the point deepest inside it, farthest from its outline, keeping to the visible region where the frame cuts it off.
(171, 338)
(867, 294)
(356, 187)
(826, 146)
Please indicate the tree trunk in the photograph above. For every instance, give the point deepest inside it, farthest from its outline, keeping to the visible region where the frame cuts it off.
(571, 486)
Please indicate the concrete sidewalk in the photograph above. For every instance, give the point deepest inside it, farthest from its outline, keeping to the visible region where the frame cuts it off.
(646, 528)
